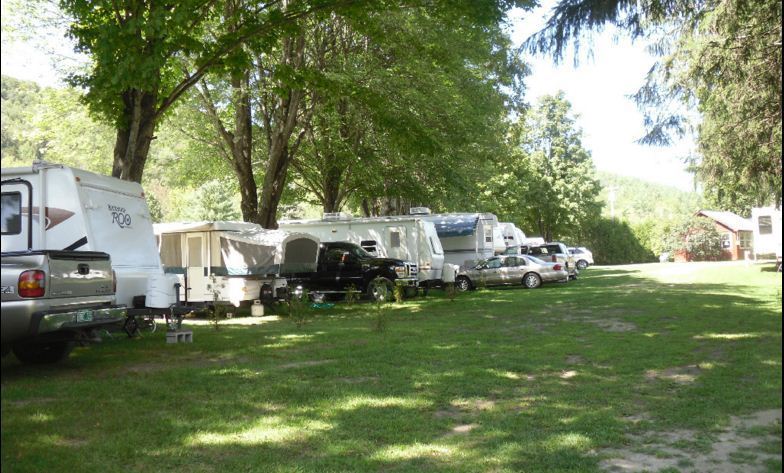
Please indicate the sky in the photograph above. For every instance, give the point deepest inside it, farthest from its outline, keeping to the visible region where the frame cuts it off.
(597, 88)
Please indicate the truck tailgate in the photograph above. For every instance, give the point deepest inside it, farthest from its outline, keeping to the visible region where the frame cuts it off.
(79, 273)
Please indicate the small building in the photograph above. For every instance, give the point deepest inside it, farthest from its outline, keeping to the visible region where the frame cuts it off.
(736, 233)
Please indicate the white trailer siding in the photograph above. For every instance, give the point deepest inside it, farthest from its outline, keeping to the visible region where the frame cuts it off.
(406, 238)
(767, 230)
(466, 237)
(90, 212)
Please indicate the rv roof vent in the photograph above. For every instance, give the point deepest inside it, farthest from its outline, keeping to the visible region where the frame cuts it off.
(419, 211)
(337, 216)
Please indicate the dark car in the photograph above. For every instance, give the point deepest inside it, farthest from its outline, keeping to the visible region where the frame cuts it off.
(342, 265)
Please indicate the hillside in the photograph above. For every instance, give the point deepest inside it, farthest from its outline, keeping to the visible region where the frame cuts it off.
(637, 200)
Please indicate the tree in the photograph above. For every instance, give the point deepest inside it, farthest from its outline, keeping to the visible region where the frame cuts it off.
(557, 188)
(139, 50)
(722, 57)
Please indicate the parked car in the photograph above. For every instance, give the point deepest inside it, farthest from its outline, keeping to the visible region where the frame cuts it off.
(529, 271)
(553, 252)
(583, 257)
(342, 265)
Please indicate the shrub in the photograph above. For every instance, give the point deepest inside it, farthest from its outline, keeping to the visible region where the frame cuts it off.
(698, 239)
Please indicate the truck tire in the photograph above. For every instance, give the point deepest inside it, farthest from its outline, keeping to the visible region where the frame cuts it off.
(380, 288)
(410, 292)
(40, 353)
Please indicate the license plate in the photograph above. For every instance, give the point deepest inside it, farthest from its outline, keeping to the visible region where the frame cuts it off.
(84, 316)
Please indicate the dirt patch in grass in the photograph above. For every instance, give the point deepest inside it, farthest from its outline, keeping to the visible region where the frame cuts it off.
(741, 446)
(359, 380)
(304, 364)
(27, 402)
(608, 324)
(679, 374)
(575, 360)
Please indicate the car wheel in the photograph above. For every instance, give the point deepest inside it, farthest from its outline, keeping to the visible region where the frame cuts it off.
(462, 283)
(39, 353)
(532, 280)
(380, 289)
(582, 264)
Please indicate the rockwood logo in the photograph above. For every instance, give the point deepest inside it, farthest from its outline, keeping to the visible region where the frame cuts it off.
(120, 216)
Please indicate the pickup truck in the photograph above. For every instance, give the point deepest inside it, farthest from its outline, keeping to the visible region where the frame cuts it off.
(342, 265)
(52, 299)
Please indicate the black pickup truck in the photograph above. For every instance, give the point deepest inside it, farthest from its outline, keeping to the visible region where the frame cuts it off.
(342, 265)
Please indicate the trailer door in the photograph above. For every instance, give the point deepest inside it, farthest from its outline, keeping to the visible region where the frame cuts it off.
(196, 266)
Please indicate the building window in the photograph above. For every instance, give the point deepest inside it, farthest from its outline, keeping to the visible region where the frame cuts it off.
(726, 240)
(765, 225)
(745, 240)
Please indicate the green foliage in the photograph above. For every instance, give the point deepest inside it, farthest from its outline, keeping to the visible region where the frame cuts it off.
(450, 290)
(549, 184)
(213, 200)
(615, 242)
(352, 294)
(698, 239)
(299, 308)
(51, 124)
(399, 293)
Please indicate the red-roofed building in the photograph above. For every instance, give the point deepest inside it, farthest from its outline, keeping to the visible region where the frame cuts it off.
(736, 232)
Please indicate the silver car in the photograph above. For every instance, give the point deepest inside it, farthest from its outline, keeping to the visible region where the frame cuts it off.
(583, 256)
(501, 270)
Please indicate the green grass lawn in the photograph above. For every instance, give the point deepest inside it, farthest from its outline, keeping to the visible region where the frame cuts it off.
(552, 379)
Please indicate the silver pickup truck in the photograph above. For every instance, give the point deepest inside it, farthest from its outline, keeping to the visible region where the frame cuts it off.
(53, 299)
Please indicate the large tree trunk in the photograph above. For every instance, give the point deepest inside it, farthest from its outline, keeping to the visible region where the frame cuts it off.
(132, 144)
(281, 123)
(242, 146)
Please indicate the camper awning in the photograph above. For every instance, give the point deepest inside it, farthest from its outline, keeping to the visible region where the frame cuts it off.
(454, 226)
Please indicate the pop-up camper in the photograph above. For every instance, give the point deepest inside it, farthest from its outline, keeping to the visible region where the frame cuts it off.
(233, 261)
(465, 237)
(403, 237)
(89, 212)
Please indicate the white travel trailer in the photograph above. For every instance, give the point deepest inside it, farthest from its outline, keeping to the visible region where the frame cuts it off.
(233, 261)
(513, 236)
(767, 230)
(403, 237)
(466, 237)
(89, 212)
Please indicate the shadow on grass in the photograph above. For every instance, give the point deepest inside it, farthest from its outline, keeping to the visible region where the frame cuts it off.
(535, 381)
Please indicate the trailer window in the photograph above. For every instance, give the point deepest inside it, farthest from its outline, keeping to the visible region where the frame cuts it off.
(765, 225)
(488, 235)
(11, 213)
(394, 239)
(171, 251)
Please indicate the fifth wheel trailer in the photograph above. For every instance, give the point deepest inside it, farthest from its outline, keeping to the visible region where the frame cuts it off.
(74, 209)
(465, 237)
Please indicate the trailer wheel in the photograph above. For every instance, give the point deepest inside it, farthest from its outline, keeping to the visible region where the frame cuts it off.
(40, 353)
(380, 289)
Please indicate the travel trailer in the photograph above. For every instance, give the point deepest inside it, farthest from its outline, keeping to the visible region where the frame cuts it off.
(766, 222)
(79, 210)
(465, 237)
(406, 237)
(233, 262)
(513, 236)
